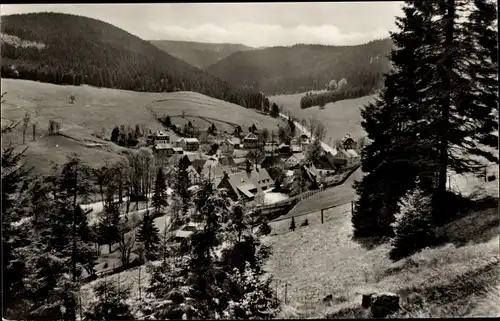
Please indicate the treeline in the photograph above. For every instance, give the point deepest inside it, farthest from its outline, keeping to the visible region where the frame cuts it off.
(128, 136)
(301, 68)
(370, 83)
(78, 50)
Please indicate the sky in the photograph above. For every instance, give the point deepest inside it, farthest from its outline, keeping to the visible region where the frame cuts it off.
(252, 24)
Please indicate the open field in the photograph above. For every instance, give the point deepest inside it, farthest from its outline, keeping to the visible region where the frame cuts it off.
(98, 110)
(322, 259)
(339, 118)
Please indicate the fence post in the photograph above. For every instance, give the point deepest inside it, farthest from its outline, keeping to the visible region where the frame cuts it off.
(286, 285)
(321, 216)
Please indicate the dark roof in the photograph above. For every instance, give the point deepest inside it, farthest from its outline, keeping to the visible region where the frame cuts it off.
(270, 161)
(242, 179)
(198, 163)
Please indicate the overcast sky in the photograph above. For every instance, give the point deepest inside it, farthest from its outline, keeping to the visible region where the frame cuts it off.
(253, 24)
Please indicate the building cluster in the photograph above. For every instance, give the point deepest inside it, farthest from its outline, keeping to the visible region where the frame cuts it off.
(226, 161)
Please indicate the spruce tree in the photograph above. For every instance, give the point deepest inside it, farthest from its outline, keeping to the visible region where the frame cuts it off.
(182, 184)
(14, 176)
(401, 148)
(160, 193)
(148, 235)
(109, 222)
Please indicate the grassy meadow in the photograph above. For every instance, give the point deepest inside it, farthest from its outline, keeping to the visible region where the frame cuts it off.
(339, 118)
(98, 110)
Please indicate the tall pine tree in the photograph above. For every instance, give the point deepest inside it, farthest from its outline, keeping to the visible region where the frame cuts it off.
(435, 112)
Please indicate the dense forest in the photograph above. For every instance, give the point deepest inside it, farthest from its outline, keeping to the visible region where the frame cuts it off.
(300, 68)
(74, 50)
(199, 54)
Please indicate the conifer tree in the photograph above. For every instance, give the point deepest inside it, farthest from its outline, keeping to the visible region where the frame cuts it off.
(109, 222)
(148, 236)
(431, 116)
(160, 193)
(182, 184)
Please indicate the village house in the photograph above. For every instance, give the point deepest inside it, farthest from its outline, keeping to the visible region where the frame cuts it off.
(189, 144)
(247, 186)
(348, 142)
(250, 141)
(226, 147)
(236, 142)
(343, 157)
(161, 150)
(294, 160)
(284, 148)
(194, 176)
(312, 173)
(160, 137)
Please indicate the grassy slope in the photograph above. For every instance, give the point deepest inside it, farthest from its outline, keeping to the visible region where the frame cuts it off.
(339, 118)
(95, 109)
(322, 259)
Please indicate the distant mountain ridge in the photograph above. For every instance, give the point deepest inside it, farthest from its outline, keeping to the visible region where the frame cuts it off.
(72, 50)
(305, 67)
(199, 54)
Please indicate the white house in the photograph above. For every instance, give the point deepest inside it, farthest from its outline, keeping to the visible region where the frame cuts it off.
(294, 160)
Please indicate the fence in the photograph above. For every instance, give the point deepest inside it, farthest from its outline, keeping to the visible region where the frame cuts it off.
(307, 194)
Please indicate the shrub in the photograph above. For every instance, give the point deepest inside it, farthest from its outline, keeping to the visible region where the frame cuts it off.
(413, 227)
(305, 223)
(292, 225)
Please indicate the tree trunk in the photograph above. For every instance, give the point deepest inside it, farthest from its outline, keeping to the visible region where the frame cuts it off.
(445, 113)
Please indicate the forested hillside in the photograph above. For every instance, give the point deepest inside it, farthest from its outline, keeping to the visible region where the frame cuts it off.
(300, 68)
(69, 49)
(199, 54)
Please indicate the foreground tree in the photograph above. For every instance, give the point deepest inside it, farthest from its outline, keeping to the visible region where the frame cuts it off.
(14, 175)
(436, 111)
(220, 273)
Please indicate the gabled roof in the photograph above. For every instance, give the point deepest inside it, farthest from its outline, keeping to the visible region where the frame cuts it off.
(246, 189)
(311, 171)
(159, 133)
(258, 178)
(251, 136)
(163, 146)
(283, 145)
(299, 157)
(346, 138)
(191, 140)
(198, 163)
(177, 149)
